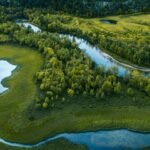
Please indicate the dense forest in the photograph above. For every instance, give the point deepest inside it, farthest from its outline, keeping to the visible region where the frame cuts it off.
(84, 7)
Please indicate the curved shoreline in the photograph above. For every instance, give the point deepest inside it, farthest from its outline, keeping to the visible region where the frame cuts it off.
(106, 55)
(70, 137)
(142, 69)
(35, 29)
(14, 67)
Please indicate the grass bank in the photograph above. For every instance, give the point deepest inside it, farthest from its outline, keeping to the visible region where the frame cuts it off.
(22, 89)
(56, 145)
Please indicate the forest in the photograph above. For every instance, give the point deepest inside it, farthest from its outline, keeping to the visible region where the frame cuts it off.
(84, 8)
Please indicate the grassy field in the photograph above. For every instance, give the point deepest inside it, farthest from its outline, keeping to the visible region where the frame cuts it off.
(21, 85)
(56, 145)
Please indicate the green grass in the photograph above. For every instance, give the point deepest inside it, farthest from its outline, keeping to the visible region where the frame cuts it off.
(21, 85)
(55, 145)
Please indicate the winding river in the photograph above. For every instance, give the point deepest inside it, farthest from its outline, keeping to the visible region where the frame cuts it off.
(107, 139)
(5, 71)
(97, 55)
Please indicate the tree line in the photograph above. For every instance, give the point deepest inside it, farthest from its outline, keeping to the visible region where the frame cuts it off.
(85, 8)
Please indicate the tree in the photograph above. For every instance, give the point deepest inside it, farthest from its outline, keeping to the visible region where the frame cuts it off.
(107, 87)
(45, 105)
(147, 89)
(130, 91)
(47, 100)
(70, 92)
(117, 88)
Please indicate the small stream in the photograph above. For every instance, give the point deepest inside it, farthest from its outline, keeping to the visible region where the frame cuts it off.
(5, 71)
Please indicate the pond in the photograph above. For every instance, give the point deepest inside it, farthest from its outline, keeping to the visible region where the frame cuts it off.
(105, 140)
(108, 21)
(5, 71)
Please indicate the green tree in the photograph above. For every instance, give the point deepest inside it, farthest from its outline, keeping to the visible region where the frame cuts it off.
(117, 88)
(130, 91)
(70, 92)
(45, 105)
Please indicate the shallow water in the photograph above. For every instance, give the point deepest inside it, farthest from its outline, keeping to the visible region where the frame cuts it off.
(5, 71)
(100, 140)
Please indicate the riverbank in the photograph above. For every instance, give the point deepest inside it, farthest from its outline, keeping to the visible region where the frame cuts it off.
(21, 86)
(6, 70)
(119, 36)
(81, 116)
(55, 145)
